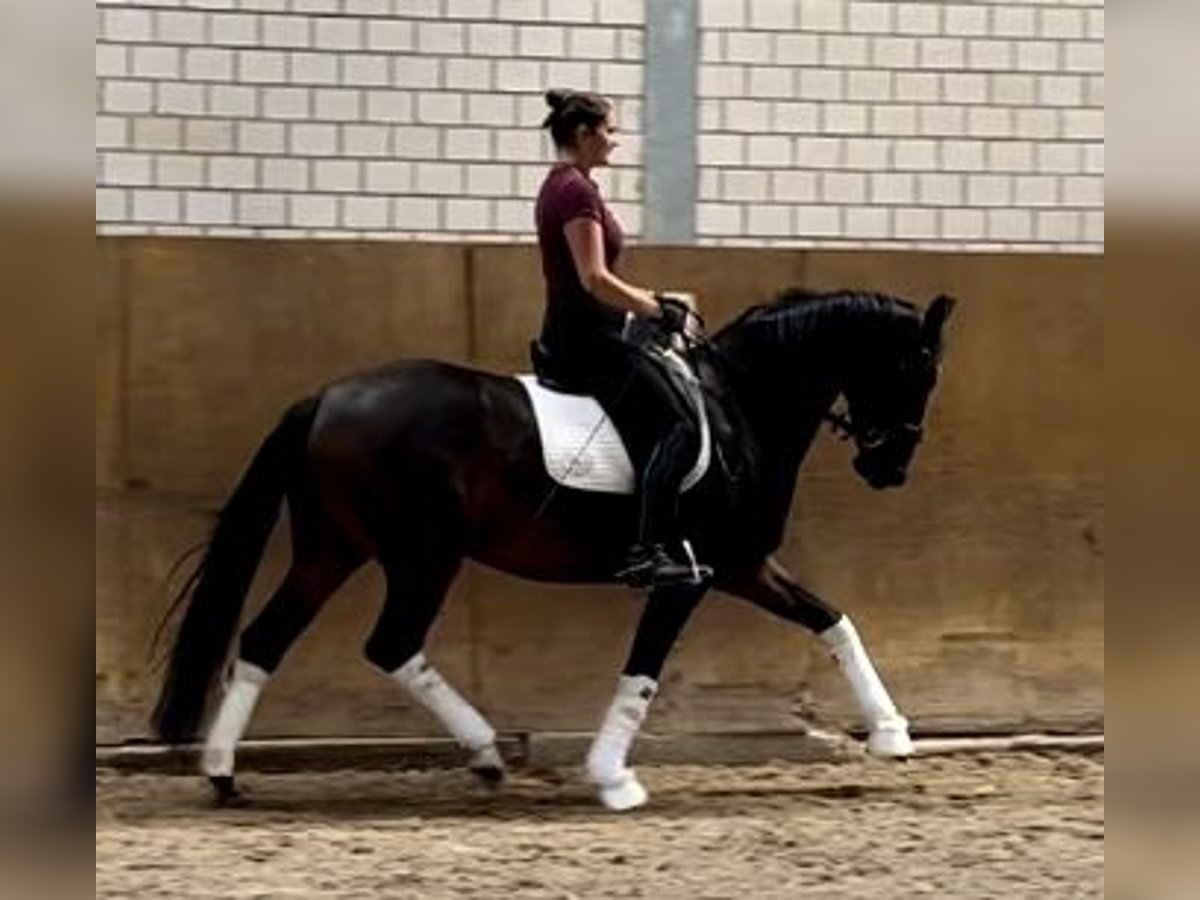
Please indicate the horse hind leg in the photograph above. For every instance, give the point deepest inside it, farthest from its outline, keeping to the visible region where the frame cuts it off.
(242, 689)
(317, 570)
(418, 578)
(466, 725)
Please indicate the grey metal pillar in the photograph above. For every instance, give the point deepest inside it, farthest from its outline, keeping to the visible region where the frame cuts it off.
(669, 142)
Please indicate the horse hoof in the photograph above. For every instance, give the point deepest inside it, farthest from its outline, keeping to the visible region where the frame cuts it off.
(488, 766)
(625, 795)
(890, 740)
(225, 792)
(489, 776)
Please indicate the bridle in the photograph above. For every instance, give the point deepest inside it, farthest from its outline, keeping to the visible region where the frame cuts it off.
(842, 425)
(869, 437)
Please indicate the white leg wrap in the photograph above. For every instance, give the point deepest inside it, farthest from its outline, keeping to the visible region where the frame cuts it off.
(425, 685)
(606, 761)
(241, 694)
(889, 729)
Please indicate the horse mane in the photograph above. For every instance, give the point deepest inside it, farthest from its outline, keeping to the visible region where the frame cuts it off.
(800, 308)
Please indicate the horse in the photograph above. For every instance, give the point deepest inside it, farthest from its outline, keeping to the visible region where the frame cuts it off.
(420, 464)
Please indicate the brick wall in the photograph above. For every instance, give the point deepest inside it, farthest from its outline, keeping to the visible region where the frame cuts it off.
(947, 125)
(412, 118)
(823, 122)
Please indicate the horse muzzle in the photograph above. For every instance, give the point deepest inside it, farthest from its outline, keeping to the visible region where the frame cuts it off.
(877, 475)
(883, 456)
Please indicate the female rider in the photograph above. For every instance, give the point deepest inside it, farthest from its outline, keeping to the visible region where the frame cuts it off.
(581, 343)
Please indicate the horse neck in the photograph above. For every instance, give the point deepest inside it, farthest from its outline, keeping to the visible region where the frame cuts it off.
(783, 386)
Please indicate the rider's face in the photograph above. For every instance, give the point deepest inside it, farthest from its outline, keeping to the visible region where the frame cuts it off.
(597, 143)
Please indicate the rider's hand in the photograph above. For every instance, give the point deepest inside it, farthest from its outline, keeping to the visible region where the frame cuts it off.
(687, 298)
(692, 324)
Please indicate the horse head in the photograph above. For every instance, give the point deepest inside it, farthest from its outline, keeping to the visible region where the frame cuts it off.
(887, 399)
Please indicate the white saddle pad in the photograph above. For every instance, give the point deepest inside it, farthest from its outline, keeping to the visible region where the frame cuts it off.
(581, 447)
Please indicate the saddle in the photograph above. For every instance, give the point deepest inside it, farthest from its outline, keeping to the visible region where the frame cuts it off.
(582, 446)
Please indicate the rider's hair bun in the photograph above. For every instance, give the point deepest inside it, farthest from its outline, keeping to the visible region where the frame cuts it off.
(556, 98)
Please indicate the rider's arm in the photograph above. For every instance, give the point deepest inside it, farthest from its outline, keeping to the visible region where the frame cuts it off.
(586, 240)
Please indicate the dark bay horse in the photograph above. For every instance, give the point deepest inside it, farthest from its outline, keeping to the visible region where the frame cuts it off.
(421, 464)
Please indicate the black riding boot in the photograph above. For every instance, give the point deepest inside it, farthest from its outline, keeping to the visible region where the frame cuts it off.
(651, 562)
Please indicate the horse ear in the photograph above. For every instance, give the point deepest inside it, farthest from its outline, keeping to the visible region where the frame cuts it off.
(935, 319)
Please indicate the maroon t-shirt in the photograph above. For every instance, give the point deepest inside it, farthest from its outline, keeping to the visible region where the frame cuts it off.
(573, 316)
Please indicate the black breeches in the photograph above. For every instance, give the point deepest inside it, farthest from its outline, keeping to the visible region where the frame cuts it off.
(659, 430)
(645, 404)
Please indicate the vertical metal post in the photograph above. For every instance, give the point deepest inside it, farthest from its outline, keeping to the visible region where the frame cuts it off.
(669, 143)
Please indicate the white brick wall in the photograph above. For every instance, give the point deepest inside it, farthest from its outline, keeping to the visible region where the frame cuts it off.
(960, 124)
(957, 125)
(369, 118)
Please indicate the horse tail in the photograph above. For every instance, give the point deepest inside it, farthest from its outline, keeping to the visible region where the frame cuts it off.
(215, 591)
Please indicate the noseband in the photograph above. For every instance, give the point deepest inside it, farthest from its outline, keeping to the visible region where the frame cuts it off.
(869, 437)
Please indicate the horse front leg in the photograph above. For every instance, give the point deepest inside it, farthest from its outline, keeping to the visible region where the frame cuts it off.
(667, 611)
(774, 589)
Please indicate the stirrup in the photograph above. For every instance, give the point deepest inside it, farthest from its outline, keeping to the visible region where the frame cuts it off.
(699, 573)
(658, 569)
